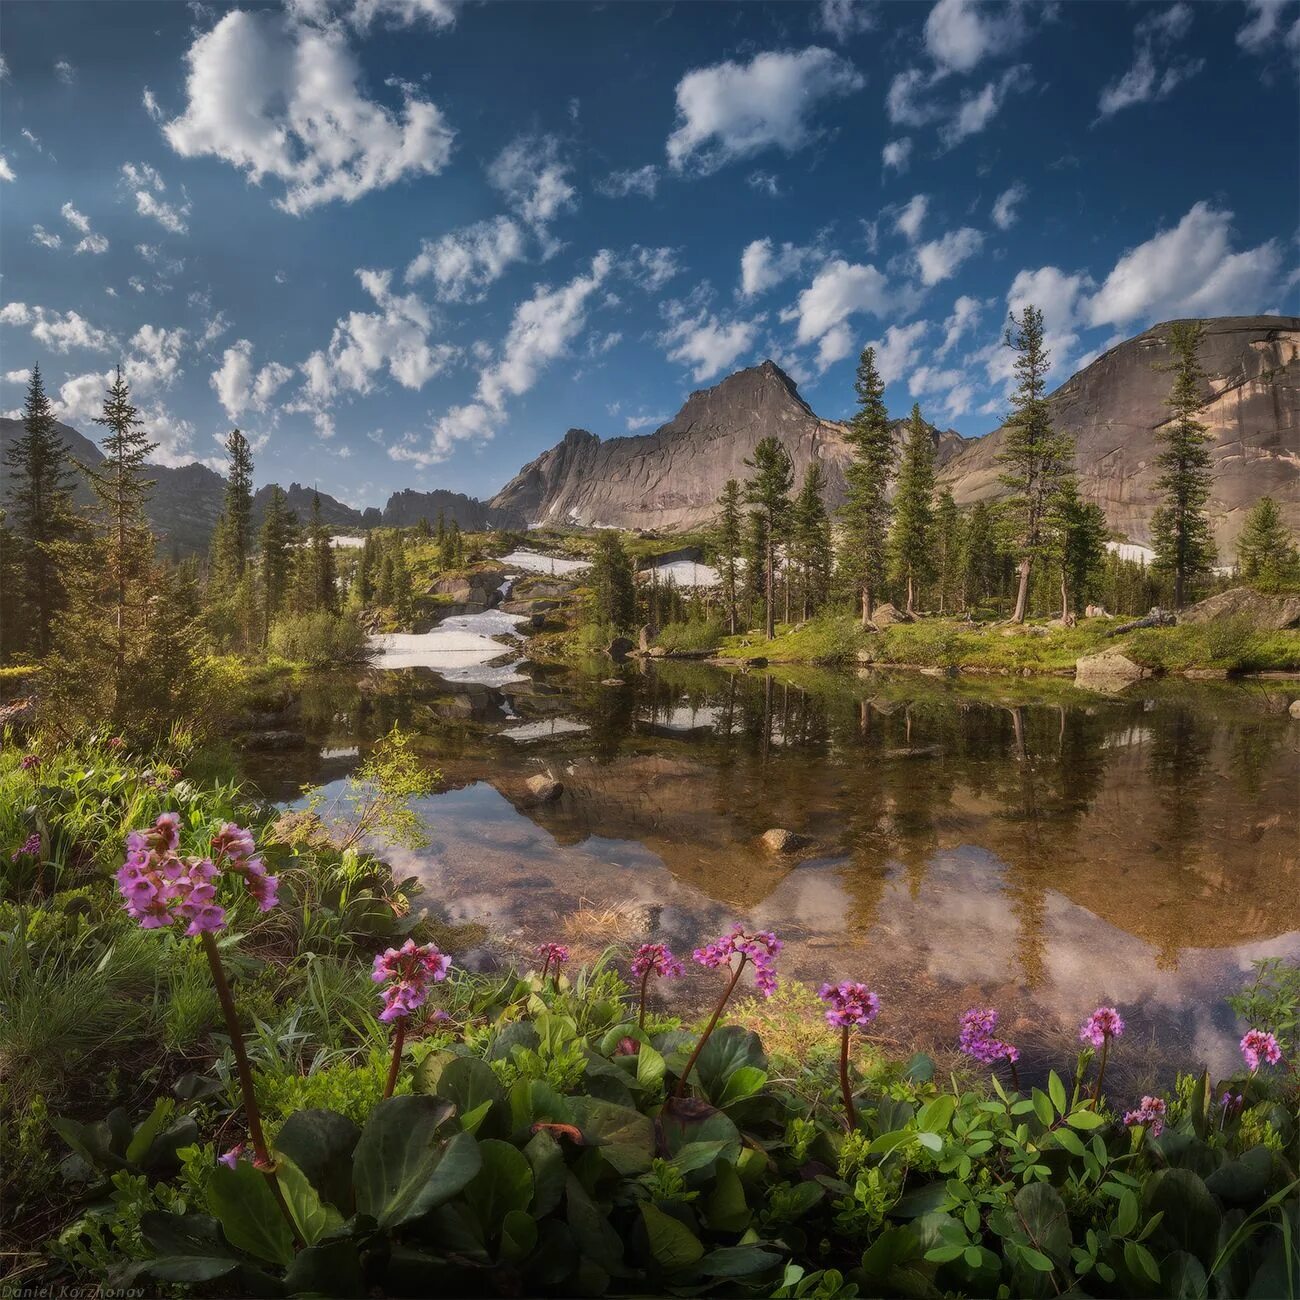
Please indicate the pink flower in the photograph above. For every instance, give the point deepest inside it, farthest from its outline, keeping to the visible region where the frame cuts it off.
(977, 1039)
(1104, 1023)
(115, 742)
(29, 848)
(849, 1004)
(231, 1158)
(627, 1047)
(1150, 1114)
(657, 959)
(760, 948)
(30, 761)
(1258, 1046)
(553, 954)
(409, 971)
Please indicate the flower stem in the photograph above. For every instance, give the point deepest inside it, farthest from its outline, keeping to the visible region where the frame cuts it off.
(645, 979)
(399, 1037)
(680, 1090)
(1015, 1074)
(846, 1089)
(1101, 1069)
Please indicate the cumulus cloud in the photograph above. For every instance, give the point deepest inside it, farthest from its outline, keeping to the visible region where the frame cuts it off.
(640, 180)
(706, 343)
(897, 351)
(534, 179)
(908, 102)
(46, 238)
(240, 387)
(965, 312)
(542, 329)
(763, 265)
(960, 34)
(154, 361)
(896, 154)
(90, 241)
(464, 264)
(976, 111)
(910, 216)
(1190, 270)
(939, 259)
(6, 172)
(838, 291)
(145, 185)
(651, 268)
(735, 110)
(1059, 295)
(946, 388)
(1004, 208)
(61, 332)
(279, 99)
(1153, 74)
(440, 15)
(845, 18)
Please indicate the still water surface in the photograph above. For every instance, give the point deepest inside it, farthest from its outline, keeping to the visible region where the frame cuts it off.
(1035, 848)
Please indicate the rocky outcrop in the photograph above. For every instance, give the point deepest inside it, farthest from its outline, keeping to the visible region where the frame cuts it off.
(1109, 672)
(1115, 407)
(405, 509)
(1265, 613)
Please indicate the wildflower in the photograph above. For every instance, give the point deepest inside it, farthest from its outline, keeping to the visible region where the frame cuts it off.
(1150, 1114)
(1104, 1023)
(1259, 1046)
(115, 742)
(29, 848)
(849, 1004)
(656, 959)
(410, 970)
(627, 1047)
(760, 948)
(231, 1158)
(30, 761)
(978, 1040)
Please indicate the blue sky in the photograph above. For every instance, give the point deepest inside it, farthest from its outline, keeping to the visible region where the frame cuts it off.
(407, 243)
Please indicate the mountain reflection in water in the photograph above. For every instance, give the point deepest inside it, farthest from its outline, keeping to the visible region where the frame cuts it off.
(1039, 851)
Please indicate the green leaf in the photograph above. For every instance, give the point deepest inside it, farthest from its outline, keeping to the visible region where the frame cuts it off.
(471, 1085)
(744, 1082)
(1043, 1108)
(1243, 1181)
(1043, 1215)
(673, 1245)
(650, 1067)
(250, 1216)
(920, 1069)
(1127, 1217)
(402, 1168)
(314, 1218)
(149, 1129)
(1056, 1091)
(725, 1207)
(729, 1049)
(625, 1136)
(591, 1229)
(518, 1236)
(1036, 1259)
(737, 1261)
(1140, 1261)
(1084, 1120)
(930, 1141)
(1192, 1218)
(189, 1247)
(1070, 1142)
(701, 1155)
(503, 1183)
(320, 1143)
(544, 1155)
(936, 1115)
(332, 1268)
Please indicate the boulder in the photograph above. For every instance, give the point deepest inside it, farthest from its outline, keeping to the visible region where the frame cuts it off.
(619, 648)
(1294, 710)
(612, 681)
(644, 637)
(779, 840)
(887, 615)
(544, 787)
(1109, 671)
(1264, 613)
(1095, 611)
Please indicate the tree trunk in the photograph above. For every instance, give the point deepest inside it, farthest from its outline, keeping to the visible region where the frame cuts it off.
(1022, 594)
(1065, 599)
(769, 623)
(866, 607)
(911, 592)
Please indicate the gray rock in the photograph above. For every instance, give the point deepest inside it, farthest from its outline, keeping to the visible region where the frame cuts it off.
(544, 787)
(779, 840)
(887, 615)
(619, 648)
(1294, 710)
(1264, 613)
(1109, 671)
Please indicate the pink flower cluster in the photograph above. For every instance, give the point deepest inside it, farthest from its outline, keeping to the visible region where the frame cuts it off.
(657, 959)
(1259, 1046)
(849, 1003)
(409, 971)
(977, 1037)
(1104, 1023)
(553, 954)
(760, 948)
(159, 887)
(30, 761)
(29, 848)
(1151, 1114)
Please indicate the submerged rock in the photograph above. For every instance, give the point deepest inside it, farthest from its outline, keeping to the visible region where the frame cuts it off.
(1109, 671)
(619, 648)
(544, 787)
(779, 840)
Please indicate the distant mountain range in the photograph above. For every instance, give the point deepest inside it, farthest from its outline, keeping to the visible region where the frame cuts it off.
(671, 478)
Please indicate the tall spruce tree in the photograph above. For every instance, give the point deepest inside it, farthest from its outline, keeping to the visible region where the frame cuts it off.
(1180, 530)
(768, 491)
(865, 514)
(613, 587)
(727, 540)
(41, 517)
(324, 569)
(232, 539)
(980, 557)
(1266, 551)
(1079, 531)
(1035, 457)
(947, 550)
(810, 541)
(911, 540)
(278, 536)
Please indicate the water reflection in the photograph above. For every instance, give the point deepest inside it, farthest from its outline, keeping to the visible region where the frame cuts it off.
(965, 843)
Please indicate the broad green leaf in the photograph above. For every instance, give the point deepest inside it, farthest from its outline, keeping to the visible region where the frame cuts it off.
(518, 1236)
(503, 1183)
(470, 1084)
(249, 1214)
(744, 1082)
(650, 1067)
(936, 1114)
(332, 1268)
(1192, 1217)
(1084, 1120)
(1036, 1259)
(1043, 1108)
(729, 1049)
(1043, 1216)
(1056, 1091)
(673, 1245)
(313, 1217)
(149, 1129)
(189, 1247)
(1070, 1142)
(591, 1229)
(320, 1143)
(737, 1261)
(725, 1207)
(544, 1155)
(624, 1136)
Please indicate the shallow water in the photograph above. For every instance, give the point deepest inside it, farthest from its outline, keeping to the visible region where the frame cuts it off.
(1035, 848)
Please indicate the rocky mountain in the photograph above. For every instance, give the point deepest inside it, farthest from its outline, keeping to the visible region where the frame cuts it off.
(1115, 408)
(408, 507)
(672, 478)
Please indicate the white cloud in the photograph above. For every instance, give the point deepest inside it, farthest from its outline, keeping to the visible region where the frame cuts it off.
(17, 376)
(31, 140)
(1004, 209)
(91, 243)
(1190, 270)
(945, 388)
(65, 72)
(763, 266)
(965, 311)
(734, 110)
(976, 111)
(839, 290)
(959, 34)
(896, 154)
(239, 388)
(896, 353)
(438, 14)
(534, 178)
(6, 172)
(278, 99)
(151, 105)
(910, 216)
(1059, 295)
(155, 361)
(904, 101)
(75, 218)
(845, 18)
(765, 183)
(465, 263)
(939, 259)
(1260, 33)
(707, 344)
(651, 268)
(640, 180)
(1151, 76)
(46, 238)
(146, 185)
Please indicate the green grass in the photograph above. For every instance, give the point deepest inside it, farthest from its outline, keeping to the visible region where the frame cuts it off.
(690, 638)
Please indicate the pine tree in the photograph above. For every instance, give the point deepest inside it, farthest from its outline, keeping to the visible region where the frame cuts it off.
(441, 534)
(910, 540)
(1079, 532)
(324, 570)
(979, 560)
(363, 583)
(278, 536)
(1266, 551)
(122, 490)
(1180, 530)
(1036, 457)
(755, 549)
(865, 515)
(768, 490)
(232, 539)
(613, 587)
(810, 541)
(41, 517)
(728, 542)
(947, 549)
(403, 597)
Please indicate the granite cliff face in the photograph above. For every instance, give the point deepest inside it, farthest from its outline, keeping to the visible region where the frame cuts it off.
(1115, 408)
(672, 478)
(406, 508)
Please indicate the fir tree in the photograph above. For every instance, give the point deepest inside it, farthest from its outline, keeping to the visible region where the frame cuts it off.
(41, 518)
(728, 542)
(865, 515)
(1266, 551)
(278, 535)
(441, 534)
(810, 541)
(979, 559)
(1180, 530)
(947, 550)
(1036, 458)
(613, 587)
(403, 597)
(324, 573)
(768, 490)
(910, 539)
(232, 539)
(1079, 530)
(363, 583)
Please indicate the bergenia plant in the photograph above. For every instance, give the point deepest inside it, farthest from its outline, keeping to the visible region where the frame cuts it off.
(735, 951)
(554, 955)
(407, 972)
(1103, 1025)
(654, 959)
(1259, 1047)
(848, 1004)
(978, 1040)
(1150, 1114)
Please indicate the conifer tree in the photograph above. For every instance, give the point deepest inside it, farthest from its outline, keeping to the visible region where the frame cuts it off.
(755, 549)
(865, 515)
(440, 534)
(979, 560)
(324, 570)
(1180, 530)
(910, 539)
(41, 518)
(1079, 531)
(232, 539)
(810, 542)
(613, 587)
(768, 490)
(728, 542)
(403, 597)
(947, 550)
(363, 583)
(278, 535)
(1266, 551)
(1036, 458)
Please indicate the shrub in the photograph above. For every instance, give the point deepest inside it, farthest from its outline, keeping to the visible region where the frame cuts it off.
(691, 638)
(319, 640)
